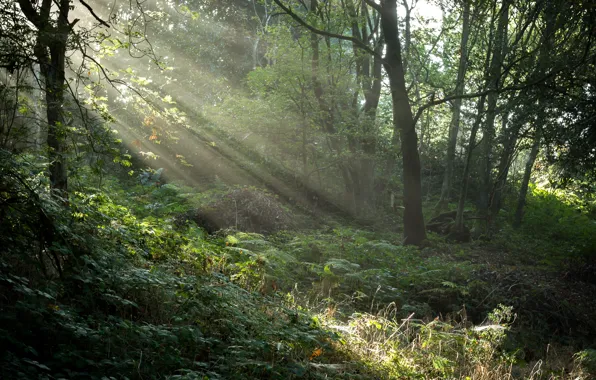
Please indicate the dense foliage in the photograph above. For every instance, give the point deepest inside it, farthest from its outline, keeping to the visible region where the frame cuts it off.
(123, 288)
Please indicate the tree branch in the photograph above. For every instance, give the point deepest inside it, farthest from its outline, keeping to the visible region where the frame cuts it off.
(481, 93)
(357, 42)
(102, 22)
(373, 5)
(30, 12)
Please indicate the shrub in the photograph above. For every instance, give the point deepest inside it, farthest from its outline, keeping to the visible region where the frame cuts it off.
(244, 209)
(558, 217)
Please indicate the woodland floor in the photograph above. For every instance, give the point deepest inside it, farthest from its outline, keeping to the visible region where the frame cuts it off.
(316, 299)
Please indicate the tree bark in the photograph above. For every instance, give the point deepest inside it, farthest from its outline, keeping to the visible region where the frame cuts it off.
(403, 123)
(50, 51)
(54, 76)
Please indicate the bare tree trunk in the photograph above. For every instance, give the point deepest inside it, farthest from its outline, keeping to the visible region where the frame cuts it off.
(38, 108)
(455, 117)
(403, 121)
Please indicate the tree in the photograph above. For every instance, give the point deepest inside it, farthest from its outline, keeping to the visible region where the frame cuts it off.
(493, 83)
(50, 52)
(403, 123)
(457, 103)
(550, 15)
(403, 120)
(53, 36)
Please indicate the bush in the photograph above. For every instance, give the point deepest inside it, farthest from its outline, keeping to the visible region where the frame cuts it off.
(557, 217)
(244, 209)
(114, 294)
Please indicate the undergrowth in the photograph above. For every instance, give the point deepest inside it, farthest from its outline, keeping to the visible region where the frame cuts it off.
(108, 285)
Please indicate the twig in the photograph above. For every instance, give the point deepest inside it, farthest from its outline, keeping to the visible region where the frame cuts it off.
(102, 22)
(404, 321)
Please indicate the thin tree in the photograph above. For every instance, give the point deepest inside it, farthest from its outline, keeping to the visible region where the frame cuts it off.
(488, 131)
(550, 16)
(456, 115)
(403, 120)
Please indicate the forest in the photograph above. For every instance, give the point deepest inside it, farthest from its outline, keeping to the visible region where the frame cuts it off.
(298, 189)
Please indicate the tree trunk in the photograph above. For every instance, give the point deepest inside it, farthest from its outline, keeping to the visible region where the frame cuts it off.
(364, 144)
(304, 155)
(326, 112)
(459, 227)
(459, 218)
(50, 51)
(407, 35)
(489, 127)
(54, 76)
(509, 137)
(403, 122)
(550, 16)
(523, 191)
(455, 117)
